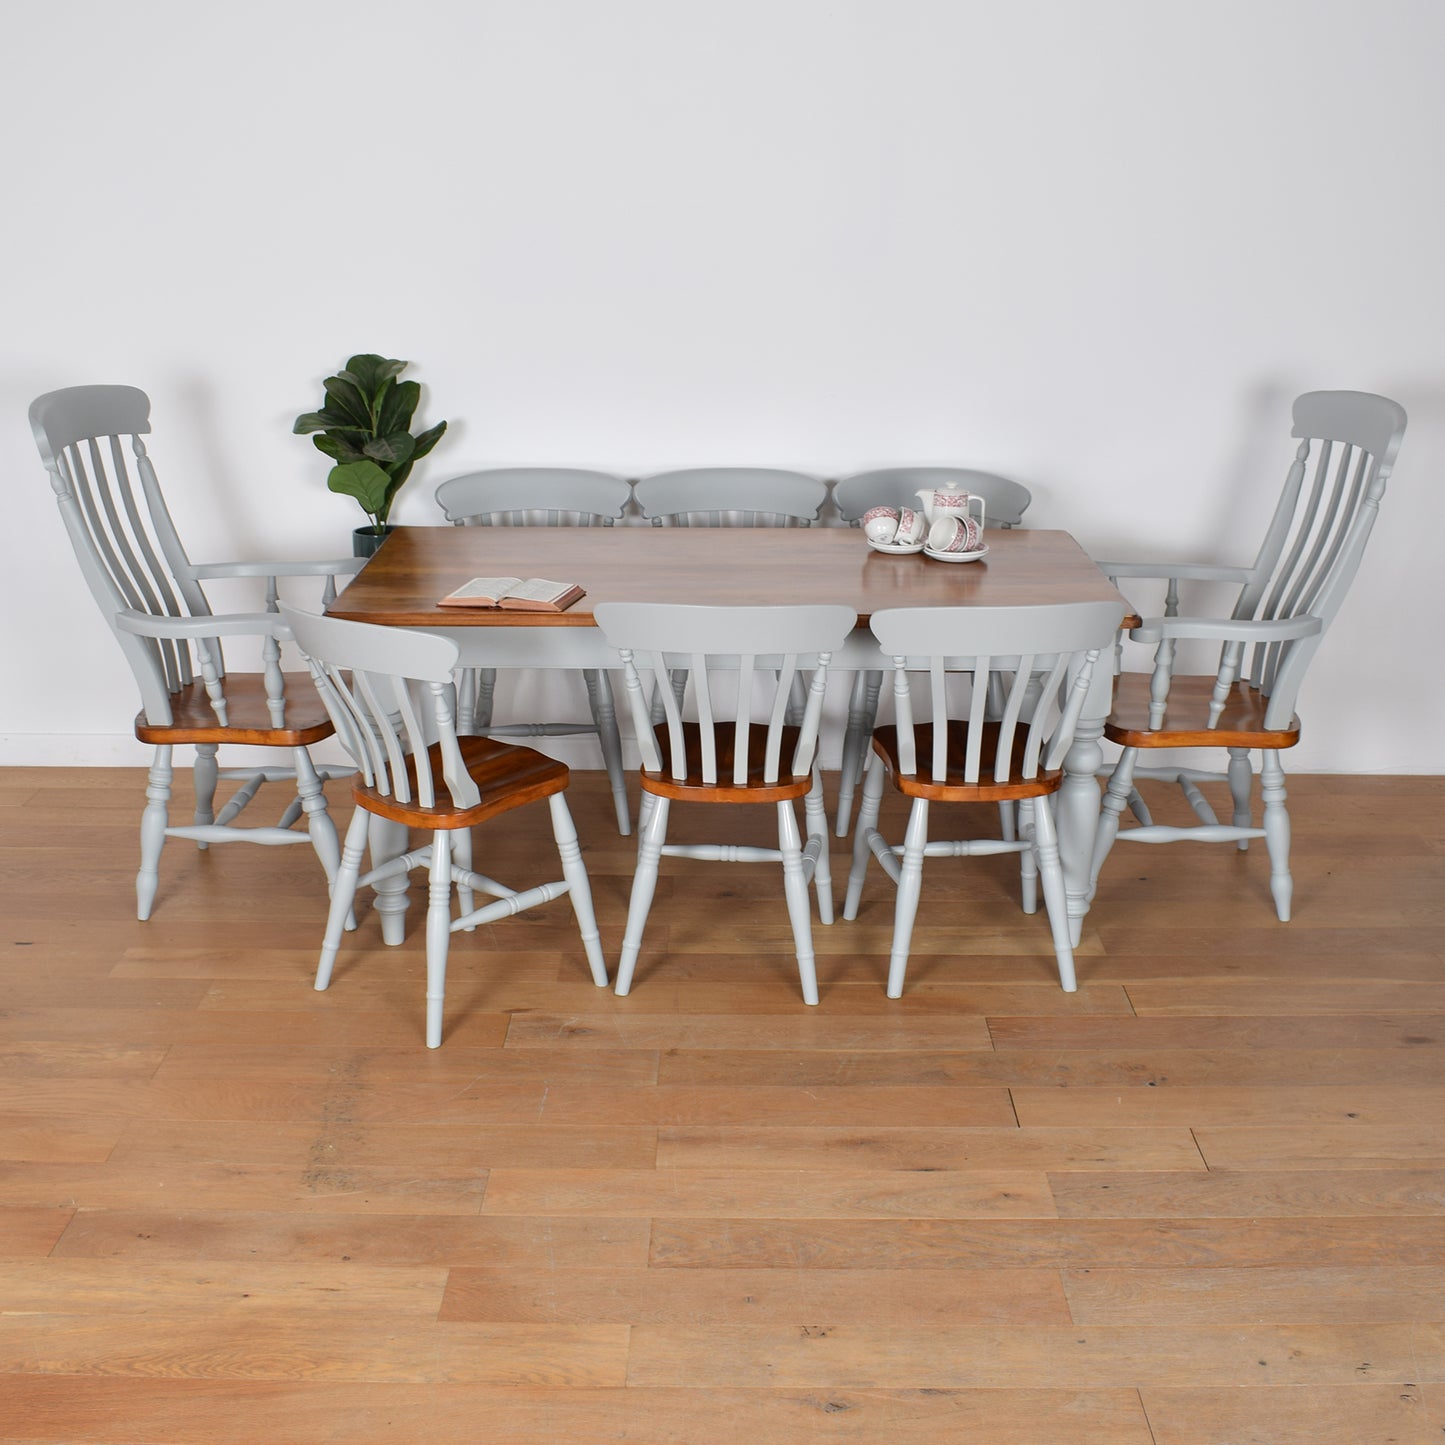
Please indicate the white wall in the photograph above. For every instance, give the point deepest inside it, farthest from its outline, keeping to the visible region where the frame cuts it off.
(1094, 246)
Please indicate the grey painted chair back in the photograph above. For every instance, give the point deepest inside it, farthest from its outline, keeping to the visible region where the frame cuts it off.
(91, 439)
(388, 693)
(738, 659)
(1039, 659)
(1312, 548)
(534, 497)
(731, 497)
(1006, 500)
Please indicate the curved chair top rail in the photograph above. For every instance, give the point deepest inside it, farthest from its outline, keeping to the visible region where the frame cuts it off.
(59, 419)
(1007, 500)
(721, 496)
(551, 495)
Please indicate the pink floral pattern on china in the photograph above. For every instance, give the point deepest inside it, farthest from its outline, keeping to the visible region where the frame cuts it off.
(874, 512)
(911, 526)
(953, 501)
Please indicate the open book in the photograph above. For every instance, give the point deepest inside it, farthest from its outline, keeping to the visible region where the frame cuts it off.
(532, 594)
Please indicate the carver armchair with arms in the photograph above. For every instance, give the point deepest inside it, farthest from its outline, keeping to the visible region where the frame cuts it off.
(542, 497)
(735, 745)
(1288, 597)
(151, 595)
(1037, 662)
(391, 697)
(1005, 502)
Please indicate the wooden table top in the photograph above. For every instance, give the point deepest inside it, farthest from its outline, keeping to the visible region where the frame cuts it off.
(762, 566)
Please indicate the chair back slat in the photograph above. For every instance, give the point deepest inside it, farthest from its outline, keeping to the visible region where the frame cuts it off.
(389, 694)
(741, 663)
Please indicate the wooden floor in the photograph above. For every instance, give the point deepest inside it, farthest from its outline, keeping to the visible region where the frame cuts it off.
(1202, 1200)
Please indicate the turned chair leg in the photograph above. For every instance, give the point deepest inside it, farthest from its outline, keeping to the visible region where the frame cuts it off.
(343, 894)
(153, 824)
(579, 888)
(795, 890)
(651, 836)
(1241, 785)
(204, 775)
(910, 885)
(1276, 832)
(438, 933)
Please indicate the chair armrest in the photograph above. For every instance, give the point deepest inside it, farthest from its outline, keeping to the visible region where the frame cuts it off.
(1225, 629)
(227, 624)
(1194, 571)
(335, 567)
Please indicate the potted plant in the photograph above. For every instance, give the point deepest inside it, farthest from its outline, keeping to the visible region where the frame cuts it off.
(364, 426)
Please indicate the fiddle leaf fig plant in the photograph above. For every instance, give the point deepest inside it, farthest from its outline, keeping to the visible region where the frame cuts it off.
(364, 426)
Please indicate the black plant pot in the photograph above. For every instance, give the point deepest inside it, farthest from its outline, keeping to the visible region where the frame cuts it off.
(365, 540)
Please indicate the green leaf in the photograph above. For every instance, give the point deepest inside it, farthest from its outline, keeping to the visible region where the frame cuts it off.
(390, 451)
(339, 448)
(397, 408)
(347, 401)
(427, 440)
(310, 421)
(366, 482)
(371, 372)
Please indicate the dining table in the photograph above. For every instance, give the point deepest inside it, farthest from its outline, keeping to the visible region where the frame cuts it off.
(401, 585)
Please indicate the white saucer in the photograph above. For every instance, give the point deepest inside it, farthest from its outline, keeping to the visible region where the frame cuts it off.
(898, 549)
(956, 556)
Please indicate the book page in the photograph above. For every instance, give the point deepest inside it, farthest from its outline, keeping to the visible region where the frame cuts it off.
(483, 590)
(537, 589)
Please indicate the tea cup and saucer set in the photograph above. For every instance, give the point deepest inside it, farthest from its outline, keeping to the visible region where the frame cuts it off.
(947, 526)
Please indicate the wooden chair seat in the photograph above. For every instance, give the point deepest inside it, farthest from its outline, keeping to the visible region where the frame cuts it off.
(1186, 718)
(193, 719)
(954, 788)
(507, 776)
(696, 788)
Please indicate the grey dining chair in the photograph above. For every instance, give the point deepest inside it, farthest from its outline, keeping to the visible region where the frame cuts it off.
(390, 695)
(1287, 598)
(543, 497)
(1005, 500)
(943, 749)
(727, 741)
(92, 442)
(731, 497)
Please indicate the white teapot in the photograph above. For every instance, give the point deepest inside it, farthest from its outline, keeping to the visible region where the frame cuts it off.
(951, 501)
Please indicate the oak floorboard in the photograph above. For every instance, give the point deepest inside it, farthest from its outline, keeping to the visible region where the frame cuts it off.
(1067, 1242)
(342, 1344)
(1283, 1033)
(1116, 1068)
(756, 1297)
(1341, 1295)
(871, 1150)
(1189, 1105)
(769, 1193)
(31, 1232)
(1302, 1192)
(91, 1410)
(1419, 1144)
(1357, 1414)
(1078, 1357)
(411, 1240)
